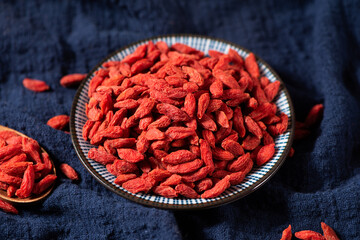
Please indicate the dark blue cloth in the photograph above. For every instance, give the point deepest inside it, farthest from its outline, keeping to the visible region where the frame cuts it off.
(314, 47)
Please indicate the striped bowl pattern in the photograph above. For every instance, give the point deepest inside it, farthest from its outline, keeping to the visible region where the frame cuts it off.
(256, 178)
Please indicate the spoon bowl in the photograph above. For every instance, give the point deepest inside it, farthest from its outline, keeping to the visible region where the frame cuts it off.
(33, 198)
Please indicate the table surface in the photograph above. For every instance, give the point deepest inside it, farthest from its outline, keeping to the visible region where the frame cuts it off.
(312, 45)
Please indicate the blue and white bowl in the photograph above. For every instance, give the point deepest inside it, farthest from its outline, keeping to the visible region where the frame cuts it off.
(256, 178)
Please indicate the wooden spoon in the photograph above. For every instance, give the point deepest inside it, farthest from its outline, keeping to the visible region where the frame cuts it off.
(33, 198)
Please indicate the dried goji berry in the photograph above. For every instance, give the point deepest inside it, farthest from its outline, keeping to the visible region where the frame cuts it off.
(122, 167)
(253, 127)
(233, 147)
(194, 75)
(291, 152)
(267, 138)
(159, 174)
(252, 103)
(223, 133)
(251, 66)
(208, 123)
(128, 104)
(329, 233)
(9, 151)
(5, 134)
(144, 108)
(222, 119)
(7, 207)
(204, 185)
(138, 54)
(130, 155)
(68, 171)
(259, 95)
(196, 176)
(214, 53)
(101, 157)
(179, 156)
(15, 169)
(216, 89)
(35, 85)
(308, 234)
(27, 183)
(235, 57)
(226, 79)
(154, 134)
(264, 81)
(32, 148)
(203, 103)
(250, 142)
(271, 90)
(315, 115)
(2, 142)
(109, 132)
(86, 129)
(195, 149)
(179, 132)
(209, 137)
(186, 167)
(262, 111)
(280, 127)
(239, 122)
(71, 80)
(222, 155)
(219, 188)
(44, 184)
(59, 122)
(172, 112)
(179, 143)
(121, 178)
(10, 192)
(137, 185)
(165, 191)
(262, 125)
(157, 145)
(190, 104)
(141, 65)
(173, 180)
(265, 154)
(186, 191)
(286, 234)
(180, 47)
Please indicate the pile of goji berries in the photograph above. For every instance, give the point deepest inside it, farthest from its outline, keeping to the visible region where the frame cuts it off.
(175, 122)
(25, 171)
(329, 234)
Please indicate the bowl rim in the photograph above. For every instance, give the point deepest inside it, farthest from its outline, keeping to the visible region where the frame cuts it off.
(259, 183)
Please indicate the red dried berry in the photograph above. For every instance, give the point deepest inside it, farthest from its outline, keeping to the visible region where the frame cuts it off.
(71, 80)
(27, 183)
(219, 188)
(286, 234)
(7, 207)
(59, 122)
(265, 154)
(35, 85)
(308, 234)
(186, 191)
(68, 171)
(252, 66)
(315, 115)
(329, 233)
